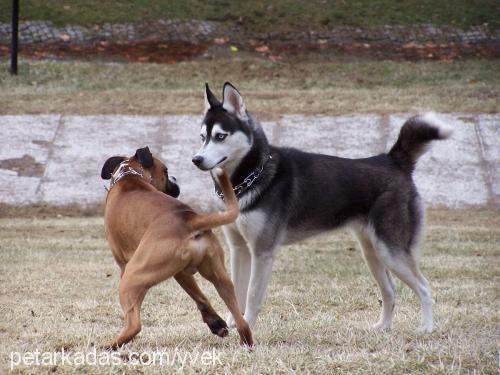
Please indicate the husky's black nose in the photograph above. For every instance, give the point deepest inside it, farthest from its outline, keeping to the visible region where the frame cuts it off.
(197, 160)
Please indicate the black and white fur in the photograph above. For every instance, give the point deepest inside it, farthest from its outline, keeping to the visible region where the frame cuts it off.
(300, 194)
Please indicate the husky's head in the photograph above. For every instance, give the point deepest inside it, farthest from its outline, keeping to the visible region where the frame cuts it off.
(225, 134)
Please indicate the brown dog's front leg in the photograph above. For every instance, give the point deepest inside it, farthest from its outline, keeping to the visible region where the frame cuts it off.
(216, 324)
(225, 289)
(132, 294)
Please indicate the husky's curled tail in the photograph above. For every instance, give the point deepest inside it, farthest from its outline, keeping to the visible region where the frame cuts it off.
(414, 138)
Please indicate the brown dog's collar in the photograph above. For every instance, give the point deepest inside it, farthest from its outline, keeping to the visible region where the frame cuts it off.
(124, 170)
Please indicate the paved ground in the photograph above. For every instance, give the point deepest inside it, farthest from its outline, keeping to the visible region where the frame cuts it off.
(57, 159)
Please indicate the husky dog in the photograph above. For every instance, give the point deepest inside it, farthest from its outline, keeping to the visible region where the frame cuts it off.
(286, 195)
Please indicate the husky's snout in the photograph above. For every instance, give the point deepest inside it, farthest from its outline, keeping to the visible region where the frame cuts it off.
(197, 160)
(201, 162)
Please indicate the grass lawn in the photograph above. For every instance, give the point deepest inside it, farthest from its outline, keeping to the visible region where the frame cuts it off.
(293, 86)
(59, 289)
(260, 15)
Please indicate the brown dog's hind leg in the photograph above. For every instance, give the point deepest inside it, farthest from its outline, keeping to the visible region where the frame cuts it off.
(214, 271)
(216, 324)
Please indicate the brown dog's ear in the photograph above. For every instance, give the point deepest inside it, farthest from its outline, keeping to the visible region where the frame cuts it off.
(144, 157)
(110, 165)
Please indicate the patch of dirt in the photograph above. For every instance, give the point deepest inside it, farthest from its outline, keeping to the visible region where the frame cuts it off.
(142, 51)
(396, 51)
(25, 166)
(169, 52)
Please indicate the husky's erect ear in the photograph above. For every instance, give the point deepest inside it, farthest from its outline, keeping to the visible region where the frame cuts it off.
(110, 165)
(210, 99)
(233, 102)
(144, 156)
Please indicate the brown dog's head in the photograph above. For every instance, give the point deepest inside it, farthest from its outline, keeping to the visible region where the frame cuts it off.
(149, 167)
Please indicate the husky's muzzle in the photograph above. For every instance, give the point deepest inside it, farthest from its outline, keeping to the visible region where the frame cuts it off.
(200, 160)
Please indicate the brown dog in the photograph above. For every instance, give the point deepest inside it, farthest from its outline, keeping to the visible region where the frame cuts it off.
(154, 236)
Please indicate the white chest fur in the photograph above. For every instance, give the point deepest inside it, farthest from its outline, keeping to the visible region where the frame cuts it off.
(251, 225)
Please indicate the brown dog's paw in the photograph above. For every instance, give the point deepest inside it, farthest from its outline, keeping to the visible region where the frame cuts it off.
(110, 345)
(246, 339)
(218, 327)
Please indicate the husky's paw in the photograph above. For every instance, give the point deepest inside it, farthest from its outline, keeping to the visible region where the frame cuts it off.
(425, 328)
(230, 322)
(381, 326)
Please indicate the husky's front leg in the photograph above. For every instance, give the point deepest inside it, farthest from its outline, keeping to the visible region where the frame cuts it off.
(262, 265)
(240, 267)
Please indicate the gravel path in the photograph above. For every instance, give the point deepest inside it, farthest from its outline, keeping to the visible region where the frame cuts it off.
(167, 41)
(196, 31)
(57, 159)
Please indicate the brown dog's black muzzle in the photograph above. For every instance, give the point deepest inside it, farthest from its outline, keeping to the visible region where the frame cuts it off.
(172, 188)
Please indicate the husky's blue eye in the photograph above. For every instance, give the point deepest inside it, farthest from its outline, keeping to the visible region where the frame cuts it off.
(220, 136)
(202, 137)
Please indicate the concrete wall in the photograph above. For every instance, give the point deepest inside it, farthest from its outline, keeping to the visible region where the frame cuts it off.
(57, 159)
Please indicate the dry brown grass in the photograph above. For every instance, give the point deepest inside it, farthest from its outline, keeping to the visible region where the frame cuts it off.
(59, 289)
(309, 86)
(43, 210)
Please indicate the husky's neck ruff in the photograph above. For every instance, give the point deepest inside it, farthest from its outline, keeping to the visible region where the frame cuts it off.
(247, 181)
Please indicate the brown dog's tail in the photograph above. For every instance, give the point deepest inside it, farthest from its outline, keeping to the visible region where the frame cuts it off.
(216, 219)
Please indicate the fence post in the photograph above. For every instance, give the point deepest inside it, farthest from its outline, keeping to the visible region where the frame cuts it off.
(14, 38)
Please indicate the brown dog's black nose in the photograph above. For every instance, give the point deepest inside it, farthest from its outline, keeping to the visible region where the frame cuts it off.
(197, 160)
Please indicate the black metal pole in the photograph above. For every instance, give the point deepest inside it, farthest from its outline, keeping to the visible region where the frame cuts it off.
(15, 31)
